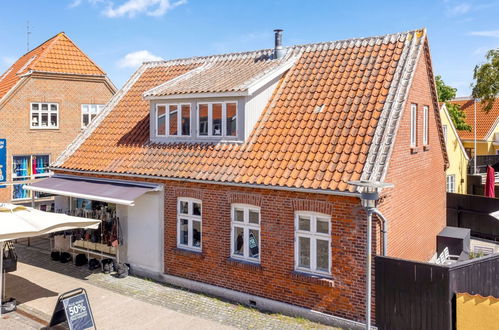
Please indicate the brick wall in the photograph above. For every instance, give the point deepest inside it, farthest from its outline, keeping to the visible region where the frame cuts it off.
(415, 207)
(15, 113)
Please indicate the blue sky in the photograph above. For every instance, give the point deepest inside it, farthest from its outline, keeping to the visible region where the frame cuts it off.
(118, 34)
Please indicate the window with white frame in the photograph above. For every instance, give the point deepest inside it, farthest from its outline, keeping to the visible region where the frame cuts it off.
(245, 228)
(44, 115)
(414, 123)
(313, 242)
(425, 125)
(444, 131)
(451, 183)
(25, 168)
(217, 119)
(88, 113)
(189, 224)
(173, 119)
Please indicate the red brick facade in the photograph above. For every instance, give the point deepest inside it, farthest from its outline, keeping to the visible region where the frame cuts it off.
(70, 93)
(415, 207)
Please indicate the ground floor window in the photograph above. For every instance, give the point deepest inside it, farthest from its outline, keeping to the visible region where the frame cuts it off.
(25, 168)
(313, 242)
(245, 228)
(451, 183)
(189, 224)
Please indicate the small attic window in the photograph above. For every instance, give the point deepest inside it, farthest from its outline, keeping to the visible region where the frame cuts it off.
(173, 119)
(217, 119)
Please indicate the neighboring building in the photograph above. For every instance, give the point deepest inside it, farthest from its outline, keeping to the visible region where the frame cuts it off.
(456, 181)
(46, 98)
(229, 173)
(487, 132)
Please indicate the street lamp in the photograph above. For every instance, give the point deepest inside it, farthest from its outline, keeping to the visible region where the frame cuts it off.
(369, 196)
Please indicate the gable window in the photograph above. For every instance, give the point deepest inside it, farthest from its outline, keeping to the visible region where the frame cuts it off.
(44, 115)
(173, 119)
(88, 113)
(444, 131)
(313, 242)
(451, 183)
(245, 228)
(425, 125)
(25, 168)
(217, 119)
(189, 224)
(414, 123)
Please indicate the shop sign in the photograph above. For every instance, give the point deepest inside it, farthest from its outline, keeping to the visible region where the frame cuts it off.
(74, 308)
(253, 246)
(3, 162)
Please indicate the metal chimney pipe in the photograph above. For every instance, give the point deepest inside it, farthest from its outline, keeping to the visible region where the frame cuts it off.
(278, 50)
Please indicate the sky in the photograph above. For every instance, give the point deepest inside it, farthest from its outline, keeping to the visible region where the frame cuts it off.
(119, 34)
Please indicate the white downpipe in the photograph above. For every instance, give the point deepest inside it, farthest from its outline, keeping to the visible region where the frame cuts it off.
(1, 277)
(474, 133)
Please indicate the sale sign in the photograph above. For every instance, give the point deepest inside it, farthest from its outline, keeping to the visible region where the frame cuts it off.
(78, 313)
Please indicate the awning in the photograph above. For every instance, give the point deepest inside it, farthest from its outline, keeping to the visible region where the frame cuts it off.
(116, 192)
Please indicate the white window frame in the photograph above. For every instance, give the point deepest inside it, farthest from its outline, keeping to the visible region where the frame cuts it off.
(425, 124)
(445, 131)
(26, 179)
(414, 124)
(451, 183)
(39, 112)
(167, 119)
(210, 120)
(99, 108)
(247, 226)
(190, 218)
(313, 235)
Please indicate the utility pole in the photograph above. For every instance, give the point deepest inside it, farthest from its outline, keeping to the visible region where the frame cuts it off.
(28, 32)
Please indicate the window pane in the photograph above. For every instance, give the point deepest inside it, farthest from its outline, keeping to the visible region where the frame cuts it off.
(45, 107)
(254, 217)
(53, 119)
(254, 243)
(196, 233)
(239, 215)
(45, 119)
(34, 106)
(34, 120)
(203, 119)
(196, 208)
(238, 241)
(53, 107)
(322, 226)
(184, 207)
(93, 109)
(161, 120)
(21, 166)
(40, 164)
(322, 255)
(231, 119)
(217, 119)
(85, 120)
(173, 125)
(303, 223)
(304, 252)
(186, 119)
(184, 231)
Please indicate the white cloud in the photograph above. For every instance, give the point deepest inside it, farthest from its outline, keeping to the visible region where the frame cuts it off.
(132, 8)
(75, 3)
(460, 9)
(490, 33)
(135, 59)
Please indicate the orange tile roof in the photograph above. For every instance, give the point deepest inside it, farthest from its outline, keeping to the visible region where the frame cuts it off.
(361, 83)
(57, 55)
(485, 121)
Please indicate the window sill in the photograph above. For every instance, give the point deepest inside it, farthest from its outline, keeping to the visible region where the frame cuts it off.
(323, 280)
(426, 148)
(414, 150)
(188, 253)
(244, 264)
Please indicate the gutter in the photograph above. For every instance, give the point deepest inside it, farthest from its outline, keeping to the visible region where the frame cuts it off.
(230, 184)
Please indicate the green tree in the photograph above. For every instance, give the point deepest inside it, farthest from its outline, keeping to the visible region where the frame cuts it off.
(486, 75)
(445, 94)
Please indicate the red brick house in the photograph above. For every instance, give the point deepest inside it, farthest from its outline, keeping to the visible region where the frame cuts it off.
(251, 154)
(46, 98)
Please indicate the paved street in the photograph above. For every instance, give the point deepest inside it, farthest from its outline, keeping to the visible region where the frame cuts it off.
(130, 302)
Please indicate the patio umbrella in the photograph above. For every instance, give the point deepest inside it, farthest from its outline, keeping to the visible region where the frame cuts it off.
(18, 221)
(490, 183)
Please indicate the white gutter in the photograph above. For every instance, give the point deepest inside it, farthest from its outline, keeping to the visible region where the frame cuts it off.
(232, 184)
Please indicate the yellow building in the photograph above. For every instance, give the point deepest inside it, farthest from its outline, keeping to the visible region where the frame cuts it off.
(487, 131)
(458, 159)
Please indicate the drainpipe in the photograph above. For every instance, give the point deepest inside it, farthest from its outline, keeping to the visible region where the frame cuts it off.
(474, 136)
(384, 230)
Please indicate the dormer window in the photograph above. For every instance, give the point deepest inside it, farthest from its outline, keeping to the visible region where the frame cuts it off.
(217, 119)
(173, 119)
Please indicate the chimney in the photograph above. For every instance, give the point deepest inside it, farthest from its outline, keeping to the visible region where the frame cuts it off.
(278, 50)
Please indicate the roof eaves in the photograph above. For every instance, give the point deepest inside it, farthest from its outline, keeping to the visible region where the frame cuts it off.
(492, 129)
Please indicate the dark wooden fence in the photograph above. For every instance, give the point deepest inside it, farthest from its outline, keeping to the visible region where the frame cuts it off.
(470, 211)
(414, 295)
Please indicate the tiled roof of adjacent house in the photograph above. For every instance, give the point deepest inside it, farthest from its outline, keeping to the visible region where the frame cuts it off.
(56, 55)
(485, 121)
(331, 119)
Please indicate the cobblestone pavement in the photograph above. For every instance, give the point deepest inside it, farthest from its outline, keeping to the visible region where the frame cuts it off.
(15, 321)
(173, 298)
